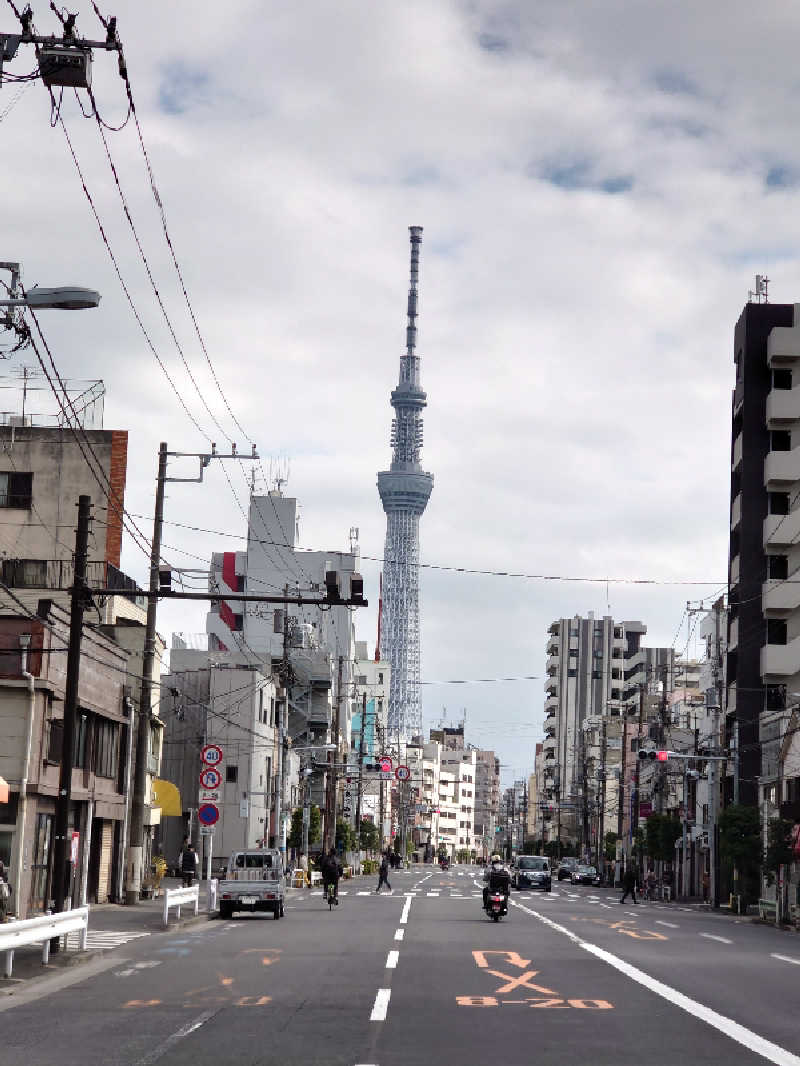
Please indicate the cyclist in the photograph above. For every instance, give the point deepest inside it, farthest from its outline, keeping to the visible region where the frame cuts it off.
(331, 872)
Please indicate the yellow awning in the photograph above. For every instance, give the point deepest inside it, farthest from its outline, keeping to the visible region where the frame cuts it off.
(167, 797)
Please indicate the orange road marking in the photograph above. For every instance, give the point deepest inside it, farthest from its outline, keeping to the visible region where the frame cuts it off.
(253, 1001)
(511, 957)
(476, 1001)
(591, 1004)
(142, 1003)
(519, 982)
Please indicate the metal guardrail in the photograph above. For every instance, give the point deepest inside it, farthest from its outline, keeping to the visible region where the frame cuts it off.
(20, 934)
(178, 897)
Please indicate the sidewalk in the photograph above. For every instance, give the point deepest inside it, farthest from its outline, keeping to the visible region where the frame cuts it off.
(111, 925)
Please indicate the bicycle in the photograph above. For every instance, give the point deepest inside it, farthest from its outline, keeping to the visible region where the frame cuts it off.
(330, 895)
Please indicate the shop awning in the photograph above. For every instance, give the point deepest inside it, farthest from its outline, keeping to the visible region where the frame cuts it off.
(167, 797)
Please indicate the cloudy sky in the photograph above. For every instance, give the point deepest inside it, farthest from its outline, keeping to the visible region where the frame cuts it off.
(598, 181)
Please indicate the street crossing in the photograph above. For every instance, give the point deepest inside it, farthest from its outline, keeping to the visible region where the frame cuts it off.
(102, 939)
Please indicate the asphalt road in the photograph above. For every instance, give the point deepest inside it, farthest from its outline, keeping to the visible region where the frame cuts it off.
(422, 976)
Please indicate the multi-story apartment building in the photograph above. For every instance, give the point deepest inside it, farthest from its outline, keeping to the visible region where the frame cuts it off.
(462, 765)
(487, 801)
(596, 668)
(370, 693)
(763, 661)
(235, 705)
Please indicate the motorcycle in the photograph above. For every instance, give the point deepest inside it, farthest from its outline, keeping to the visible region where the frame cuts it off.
(496, 905)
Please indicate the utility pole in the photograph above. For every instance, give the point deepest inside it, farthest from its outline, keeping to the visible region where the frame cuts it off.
(713, 779)
(136, 851)
(330, 793)
(361, 771)
(78, 600)
(621, 793)
(280, 839)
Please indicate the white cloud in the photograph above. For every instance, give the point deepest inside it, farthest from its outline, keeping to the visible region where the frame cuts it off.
(576, 342)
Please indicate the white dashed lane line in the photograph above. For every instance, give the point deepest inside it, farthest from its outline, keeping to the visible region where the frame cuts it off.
(721, 939)
(785, 958)
(399, 934)
(391, 960)
(669, 925)
(381, 1005)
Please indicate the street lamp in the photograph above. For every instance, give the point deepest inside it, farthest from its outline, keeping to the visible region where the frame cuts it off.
(63, 298)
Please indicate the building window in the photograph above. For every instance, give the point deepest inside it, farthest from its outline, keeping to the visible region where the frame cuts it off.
(776, 631)
(778, 502)
(781, 378)
(81, 734)
(780, 440)
(231, 774)
(16, 490)
(106, 748)
(572, 673)
(380, 677)
(778, 567)
(55, 740)
(25, 573)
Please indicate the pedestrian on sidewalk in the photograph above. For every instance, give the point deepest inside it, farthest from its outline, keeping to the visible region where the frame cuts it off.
(383, 874)
(189, 860)
(5, 892)
(302, 865)
(630, 880)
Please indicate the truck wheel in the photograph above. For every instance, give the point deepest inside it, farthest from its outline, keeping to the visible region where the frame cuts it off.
(276, 913)
(225, 911)
(282, 912)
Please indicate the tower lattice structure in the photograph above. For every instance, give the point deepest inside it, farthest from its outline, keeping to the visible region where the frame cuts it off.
(404, 490)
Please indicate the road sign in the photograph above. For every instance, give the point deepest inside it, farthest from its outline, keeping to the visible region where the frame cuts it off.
(385, 764)
(210, 795)
(208, 814)
(386, 775)
(402, 773)
(210, 778)
(206, 830)
(211, 754)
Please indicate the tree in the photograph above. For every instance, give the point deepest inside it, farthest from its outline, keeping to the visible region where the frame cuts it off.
(295, 838)
(610, 845)
(779, 847)
(662, 832)
(740, 847)
(345, 837)
(369, 835)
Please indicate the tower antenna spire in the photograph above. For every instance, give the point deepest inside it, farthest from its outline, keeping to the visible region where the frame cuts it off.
(405, 490)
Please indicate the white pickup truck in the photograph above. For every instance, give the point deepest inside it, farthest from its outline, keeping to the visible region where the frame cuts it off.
(253, 882)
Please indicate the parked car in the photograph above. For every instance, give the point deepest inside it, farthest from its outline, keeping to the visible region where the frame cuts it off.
(565, 868)
(531, 871)
(585, 875)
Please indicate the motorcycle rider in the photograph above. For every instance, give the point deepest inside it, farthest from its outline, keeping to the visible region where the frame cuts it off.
(331, 872)
(498, 879)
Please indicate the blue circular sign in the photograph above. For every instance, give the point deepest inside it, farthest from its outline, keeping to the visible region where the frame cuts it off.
(208, 814)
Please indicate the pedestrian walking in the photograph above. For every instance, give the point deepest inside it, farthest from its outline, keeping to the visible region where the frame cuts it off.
(383, 874)
(302, 865)
(5, 892)
(189, 861)
(630, 879)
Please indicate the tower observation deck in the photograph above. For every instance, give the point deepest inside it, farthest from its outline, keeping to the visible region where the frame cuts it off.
(404, 490)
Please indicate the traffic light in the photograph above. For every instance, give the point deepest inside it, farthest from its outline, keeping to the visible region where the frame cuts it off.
(653, 755)
(357, 588)
(332, 589)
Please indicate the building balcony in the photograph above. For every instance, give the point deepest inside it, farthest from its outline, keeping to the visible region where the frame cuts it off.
(736, 511)
(781, 660)
(782, 467)
(553, 645)
(549, 746)
(735, 570)
(553, 664)
(738, 397)
(554, 627)
(781, 530)
(551, 684)
(781, 596)
(737, 453)
(783, 346)
(550, 729)
(733, 635)
(783, 405)
(551, 704)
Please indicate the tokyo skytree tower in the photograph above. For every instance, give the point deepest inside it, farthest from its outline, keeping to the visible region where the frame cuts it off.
(404, 490)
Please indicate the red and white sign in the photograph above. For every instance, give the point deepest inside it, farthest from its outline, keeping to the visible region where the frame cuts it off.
(210, 778)
(210, 795)
(386, 764)
(402, 773)
(73, 846)
(211, 754)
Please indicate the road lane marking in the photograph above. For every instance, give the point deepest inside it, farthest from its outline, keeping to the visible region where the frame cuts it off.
(365, 893)
(670, 925)
(406, 909)
(171, 1041)
(785, 958)
(721, 939)
(736, 1032)
(399, 934)
(391, 960)
(381, 1005)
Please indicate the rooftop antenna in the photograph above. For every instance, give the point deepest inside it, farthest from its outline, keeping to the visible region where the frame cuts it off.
(760, 295)
(353, 539)
(279, 473)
